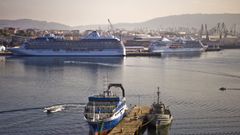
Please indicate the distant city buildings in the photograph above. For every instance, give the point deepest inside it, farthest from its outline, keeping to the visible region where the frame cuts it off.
(137, 38)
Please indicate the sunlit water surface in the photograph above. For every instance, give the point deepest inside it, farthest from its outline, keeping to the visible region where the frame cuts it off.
(189, 86)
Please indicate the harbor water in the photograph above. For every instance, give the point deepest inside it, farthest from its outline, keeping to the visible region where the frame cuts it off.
(189, 85)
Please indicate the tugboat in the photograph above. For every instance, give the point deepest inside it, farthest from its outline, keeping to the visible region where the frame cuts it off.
(104, 111)
(159, 115)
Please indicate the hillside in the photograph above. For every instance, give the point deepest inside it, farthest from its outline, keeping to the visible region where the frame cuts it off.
(187, 20)
(193, 20)
(28, 23)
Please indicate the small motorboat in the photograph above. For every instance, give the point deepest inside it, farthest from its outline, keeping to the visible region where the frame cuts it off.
(222, 88)
(159, 115)
(54, 109)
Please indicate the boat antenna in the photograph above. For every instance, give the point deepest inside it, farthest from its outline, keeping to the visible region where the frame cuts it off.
(158, 93)
(105, 83)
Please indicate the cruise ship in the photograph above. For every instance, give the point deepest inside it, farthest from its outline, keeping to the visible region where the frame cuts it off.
(92, 45)
(104, 111)
(168, 46)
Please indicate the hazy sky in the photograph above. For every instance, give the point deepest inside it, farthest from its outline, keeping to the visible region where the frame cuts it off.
(83, 12)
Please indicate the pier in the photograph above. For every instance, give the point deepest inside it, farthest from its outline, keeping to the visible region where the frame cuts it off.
(213, 49)
(6, 53)
(133, 122)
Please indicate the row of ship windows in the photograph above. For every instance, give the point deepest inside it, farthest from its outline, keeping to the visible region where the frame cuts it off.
(71, 47)
(77, 43)
(79, 50)
(101, 110)
(108, 103)
(102, 106)
(101, 116)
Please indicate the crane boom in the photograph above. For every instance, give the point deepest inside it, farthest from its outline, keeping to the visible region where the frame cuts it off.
(111, 26)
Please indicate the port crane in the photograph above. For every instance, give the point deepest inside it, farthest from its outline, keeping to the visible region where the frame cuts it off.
(207, 36)
(111, 26)
(111, 30)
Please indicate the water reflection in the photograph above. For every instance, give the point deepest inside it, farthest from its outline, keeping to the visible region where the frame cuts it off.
(158, 131)
(56, 79)
(70, 61)
(182, 55)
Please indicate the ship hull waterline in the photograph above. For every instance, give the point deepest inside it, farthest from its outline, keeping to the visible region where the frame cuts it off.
(24, 52)
(178, 50)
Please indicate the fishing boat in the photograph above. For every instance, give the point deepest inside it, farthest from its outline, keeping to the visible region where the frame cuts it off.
(104, 111)
(159, 115)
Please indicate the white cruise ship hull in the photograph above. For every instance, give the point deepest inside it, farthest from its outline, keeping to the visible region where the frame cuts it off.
(35, 52)
(178, 50)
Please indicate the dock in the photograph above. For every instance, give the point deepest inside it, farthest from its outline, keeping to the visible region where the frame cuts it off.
(146, 54)
(6, 53)
(213, 49)
(133, 122)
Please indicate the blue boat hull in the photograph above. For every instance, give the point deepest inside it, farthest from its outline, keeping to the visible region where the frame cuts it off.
(97, 128)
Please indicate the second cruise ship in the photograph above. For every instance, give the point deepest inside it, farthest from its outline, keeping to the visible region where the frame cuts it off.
(168, 46)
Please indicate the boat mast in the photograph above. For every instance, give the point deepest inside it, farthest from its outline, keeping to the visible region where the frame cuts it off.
(105, 81)
(158, 93)
(107, 92)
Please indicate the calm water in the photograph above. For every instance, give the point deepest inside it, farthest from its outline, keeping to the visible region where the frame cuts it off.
(189, 85)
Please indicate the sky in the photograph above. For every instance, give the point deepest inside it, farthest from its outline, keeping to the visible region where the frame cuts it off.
(87, 12)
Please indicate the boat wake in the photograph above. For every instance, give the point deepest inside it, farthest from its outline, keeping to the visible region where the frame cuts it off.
(20, 110)
(68, 107)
